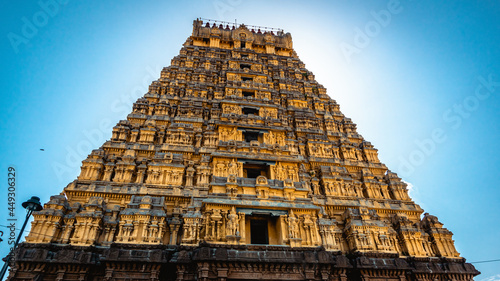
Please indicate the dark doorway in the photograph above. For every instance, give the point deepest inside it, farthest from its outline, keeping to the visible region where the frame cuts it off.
(258, 232)
(251, 136)
(252, 171)
(248, 93)
(250, 110)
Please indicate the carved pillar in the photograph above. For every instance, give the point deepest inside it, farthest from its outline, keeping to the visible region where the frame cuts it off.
(174, 230)
(189, 176)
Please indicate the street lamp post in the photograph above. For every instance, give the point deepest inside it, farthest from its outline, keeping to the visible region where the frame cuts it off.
(31, 205)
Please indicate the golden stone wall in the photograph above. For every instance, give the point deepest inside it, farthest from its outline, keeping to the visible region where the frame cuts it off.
(236, 133)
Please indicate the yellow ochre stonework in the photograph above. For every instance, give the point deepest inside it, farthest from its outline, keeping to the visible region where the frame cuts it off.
(237, 147)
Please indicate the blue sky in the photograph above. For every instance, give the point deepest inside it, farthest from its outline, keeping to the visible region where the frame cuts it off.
(421, 79)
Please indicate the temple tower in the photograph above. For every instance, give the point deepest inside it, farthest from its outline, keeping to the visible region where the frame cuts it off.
(236, 165)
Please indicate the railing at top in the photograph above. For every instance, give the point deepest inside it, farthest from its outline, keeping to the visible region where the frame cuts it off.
(234, 25)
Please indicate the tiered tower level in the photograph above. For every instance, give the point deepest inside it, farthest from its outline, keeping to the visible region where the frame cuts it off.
(236, 164)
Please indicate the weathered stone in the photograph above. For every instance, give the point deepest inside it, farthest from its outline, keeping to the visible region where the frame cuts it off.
(236, 165)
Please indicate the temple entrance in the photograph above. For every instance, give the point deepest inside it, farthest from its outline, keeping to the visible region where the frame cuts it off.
(259, 234)
(262, 226)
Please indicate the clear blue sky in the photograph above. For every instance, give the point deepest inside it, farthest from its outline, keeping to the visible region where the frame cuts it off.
(421, 79)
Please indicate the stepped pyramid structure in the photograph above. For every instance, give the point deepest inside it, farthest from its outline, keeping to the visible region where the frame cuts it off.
(236, 165)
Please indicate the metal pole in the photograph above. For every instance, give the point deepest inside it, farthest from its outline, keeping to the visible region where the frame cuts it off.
(6, 264)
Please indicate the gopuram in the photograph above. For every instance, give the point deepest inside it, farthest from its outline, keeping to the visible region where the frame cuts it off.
(236, 165)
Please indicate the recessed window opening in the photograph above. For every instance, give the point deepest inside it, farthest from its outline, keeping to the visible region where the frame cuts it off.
(252, 171)
(250, 110)
(259, 232)
(247, 94)
(251, 136)
(246, 79)
(245, 66)
(243, 45)
(244, 55)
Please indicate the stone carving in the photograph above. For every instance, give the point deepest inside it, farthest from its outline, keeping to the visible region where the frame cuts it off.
(268, 112)
(88, 222)
(234, 136)
(283, 172)
(191, 227)
(213, 227)
(229, 133)
(202, 174)
(331, 234)
(142, 222)
(366, 232)
(189, 176)
(275, 138)
(293, 226)
(232, 223)
(231, 109)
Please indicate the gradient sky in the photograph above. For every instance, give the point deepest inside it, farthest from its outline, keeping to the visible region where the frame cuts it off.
(421, 79)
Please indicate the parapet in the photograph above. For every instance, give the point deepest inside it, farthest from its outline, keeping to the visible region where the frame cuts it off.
(226, 35)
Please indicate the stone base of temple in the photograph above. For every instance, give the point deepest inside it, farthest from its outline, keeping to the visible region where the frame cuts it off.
(224, 262)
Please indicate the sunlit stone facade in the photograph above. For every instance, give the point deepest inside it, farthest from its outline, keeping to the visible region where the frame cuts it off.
(236, 165)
